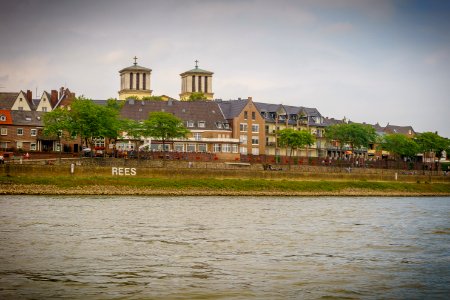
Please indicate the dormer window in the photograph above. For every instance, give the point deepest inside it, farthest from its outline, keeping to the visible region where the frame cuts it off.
(219, 125)
(2, 118)
(201, 124)
(190, 123)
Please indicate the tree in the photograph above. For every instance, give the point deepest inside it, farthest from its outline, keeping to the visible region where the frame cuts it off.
(90, 121)
(400, 145)
(163, 126)
(152, 98)
(115, 104)
(295, 139)
(197, 96)
(354, 134)
(57, 125)
(432, 142)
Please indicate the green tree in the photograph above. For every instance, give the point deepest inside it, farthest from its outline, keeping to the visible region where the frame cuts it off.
(152, 98)
(197, 96)
(432, 142)
(400, 145)
(295, 139)
(115, 104)
(354, 134)
(57, 125)
(163, 126)
(90, 121)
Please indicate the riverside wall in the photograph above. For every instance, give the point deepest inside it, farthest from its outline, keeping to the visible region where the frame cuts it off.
(185, 169)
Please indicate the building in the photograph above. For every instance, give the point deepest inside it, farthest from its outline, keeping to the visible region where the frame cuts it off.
(196, 81)
(278, 117)
(21, 120)
(210, 132)
(135, 82)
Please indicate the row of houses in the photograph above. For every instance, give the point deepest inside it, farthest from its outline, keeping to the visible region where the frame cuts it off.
(226, 128)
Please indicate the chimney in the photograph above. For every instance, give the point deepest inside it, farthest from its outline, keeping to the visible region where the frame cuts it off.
(54, 98)
(249, 98)
(61, 92)
(29, 96)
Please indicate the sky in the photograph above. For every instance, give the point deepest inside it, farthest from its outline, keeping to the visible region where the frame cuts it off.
(369, 61)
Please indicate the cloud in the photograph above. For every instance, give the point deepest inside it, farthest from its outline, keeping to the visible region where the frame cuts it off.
(339, 28)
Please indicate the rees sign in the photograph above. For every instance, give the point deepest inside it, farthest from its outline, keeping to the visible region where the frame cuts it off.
(123, 171)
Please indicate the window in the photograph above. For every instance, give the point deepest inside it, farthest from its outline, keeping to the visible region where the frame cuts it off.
(255, 128)
(255, 140)
(201, 147)
(20, 107)
(255, 151)
(245, 115)
(191, 148)
(33, 132)
(99, 142)
(243, 150)
(243, 139)
(19, 131)
(44, 108)
(216, 148)
(19, 145)
(243, 127)
(137, 81)
(199, 83)
(179, 147)
(219, 125)
(206, 84)
(226, 126)
(190, 123)
(4, 131)
(253, 115)
(131, 81)
(2, 118)
(193, 83)
(234, 148)
(201, 124)
(197, 136)
(33, 146)
(144, 83)
(226, 148)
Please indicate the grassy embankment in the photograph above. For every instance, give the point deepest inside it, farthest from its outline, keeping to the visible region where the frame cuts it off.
(201, 185)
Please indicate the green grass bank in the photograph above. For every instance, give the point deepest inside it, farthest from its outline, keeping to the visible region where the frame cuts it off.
(90, 180)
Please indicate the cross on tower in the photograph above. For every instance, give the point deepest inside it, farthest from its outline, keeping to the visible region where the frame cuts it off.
(196, 64)
(135, 58)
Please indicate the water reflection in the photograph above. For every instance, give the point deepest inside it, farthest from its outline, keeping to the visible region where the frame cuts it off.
(218, 247)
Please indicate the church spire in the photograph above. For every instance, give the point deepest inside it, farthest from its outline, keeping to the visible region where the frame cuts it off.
(135, 59)
(196, 63)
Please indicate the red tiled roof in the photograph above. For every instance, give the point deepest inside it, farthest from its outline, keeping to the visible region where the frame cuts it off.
(7, 114)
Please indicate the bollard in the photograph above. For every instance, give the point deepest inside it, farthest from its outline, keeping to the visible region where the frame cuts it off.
(396, 176)
(72, 168)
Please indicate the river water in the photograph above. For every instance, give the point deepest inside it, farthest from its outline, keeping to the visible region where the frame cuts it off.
(224, 248)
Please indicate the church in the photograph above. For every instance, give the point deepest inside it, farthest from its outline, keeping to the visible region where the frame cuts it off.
(135, 81)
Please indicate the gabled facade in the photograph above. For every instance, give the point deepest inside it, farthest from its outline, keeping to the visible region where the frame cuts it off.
(278, 117)
(21, 120)
(247, 125)
(23, 102)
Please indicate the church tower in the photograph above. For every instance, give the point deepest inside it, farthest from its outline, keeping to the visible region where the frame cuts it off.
(195, 81)
(135, 81)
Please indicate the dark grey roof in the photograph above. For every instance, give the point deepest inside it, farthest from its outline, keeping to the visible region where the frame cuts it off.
(208, 111)
(100, 102)
(7, 100)
(399, 129)
(27, 118)
(232, 108)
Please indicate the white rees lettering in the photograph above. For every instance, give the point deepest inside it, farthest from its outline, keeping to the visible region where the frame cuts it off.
(123, 171)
